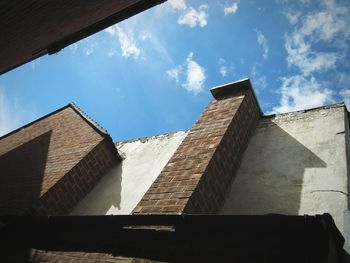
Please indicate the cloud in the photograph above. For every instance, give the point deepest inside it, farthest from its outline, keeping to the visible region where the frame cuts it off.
(223, 71)
(195, 76)
(327, 25)
(194, 17)
(224, 67)
(232, 9)
(89, 45)
(126, 41)
(190, 74)
(144, 36)
(260, 83)
(259, 80)
(262, 41)
(88, 50)
(12, 113)
(174, 73)
(74, 47)
(301, 55)
(299, 92)
(111, 53)
(292, 16)
(35, 63)
(345, 94)
(316, 44)
(177, 4)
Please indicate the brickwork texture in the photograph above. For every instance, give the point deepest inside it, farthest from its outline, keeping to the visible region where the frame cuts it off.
(50, 165)
(198, 176)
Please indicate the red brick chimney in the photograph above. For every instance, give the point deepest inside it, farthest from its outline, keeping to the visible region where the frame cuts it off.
(199, 174)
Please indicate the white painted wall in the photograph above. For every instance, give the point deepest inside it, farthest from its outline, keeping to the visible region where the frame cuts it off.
(122, 188)
(294, 164)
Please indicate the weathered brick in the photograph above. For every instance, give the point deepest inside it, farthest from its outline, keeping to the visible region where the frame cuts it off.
(57, 158)
(205, 163)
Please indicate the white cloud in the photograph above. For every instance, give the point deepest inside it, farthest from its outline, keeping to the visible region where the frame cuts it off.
(195, 76)
(194, 17)
(299, 92)
(232, 9)
(89, 45)
(111, 53)
(144, 36)
(126, 41)
(224, 67)
(262, 41)
(112, 30)
(74, 47)
(345, 94)
(88, 50)
(260, 83)
(12, 113)
(35, 63)
(174, 73)
(327, 25)
(301, 55)
(259, 80)
(292, 16)
(177, 4)
(223, 71)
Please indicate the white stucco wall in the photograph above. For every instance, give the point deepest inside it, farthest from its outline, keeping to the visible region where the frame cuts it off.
(295, 164)
(122, 188)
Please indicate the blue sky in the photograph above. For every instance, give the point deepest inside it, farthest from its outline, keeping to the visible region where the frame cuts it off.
(152, 73)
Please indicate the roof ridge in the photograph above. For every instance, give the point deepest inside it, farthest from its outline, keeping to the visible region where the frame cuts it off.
(88, 118)
(328, 106)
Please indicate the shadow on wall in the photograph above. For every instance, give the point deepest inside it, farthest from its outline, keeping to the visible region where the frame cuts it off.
(22, 171)
(271, 175)
(106, 195)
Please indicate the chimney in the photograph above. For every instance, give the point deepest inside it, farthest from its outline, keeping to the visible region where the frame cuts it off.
(201, 171)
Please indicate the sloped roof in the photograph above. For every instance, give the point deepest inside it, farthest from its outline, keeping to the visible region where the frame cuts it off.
(43, 158)
(72, 105)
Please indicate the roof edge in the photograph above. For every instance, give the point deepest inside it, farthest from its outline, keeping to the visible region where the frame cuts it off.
(98, 128)
(35, 121)
(88, 119)
(233, 88)
(146, 138)
(328, 106)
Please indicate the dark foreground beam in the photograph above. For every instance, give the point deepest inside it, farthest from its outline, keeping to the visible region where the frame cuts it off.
(275, 238)
(32, 28)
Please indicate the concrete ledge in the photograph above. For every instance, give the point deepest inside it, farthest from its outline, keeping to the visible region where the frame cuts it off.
(231, 88)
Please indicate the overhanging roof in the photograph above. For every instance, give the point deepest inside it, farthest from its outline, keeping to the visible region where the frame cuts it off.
(30, 29)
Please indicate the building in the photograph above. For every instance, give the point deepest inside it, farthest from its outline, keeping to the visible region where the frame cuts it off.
(233, 161)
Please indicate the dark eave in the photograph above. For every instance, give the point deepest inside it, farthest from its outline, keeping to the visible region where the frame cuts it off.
(30, 29)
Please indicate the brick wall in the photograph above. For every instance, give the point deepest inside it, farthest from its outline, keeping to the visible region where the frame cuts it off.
(199, 174)
(49, 165)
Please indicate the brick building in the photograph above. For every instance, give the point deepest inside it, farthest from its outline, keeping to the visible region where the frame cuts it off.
(233, 161)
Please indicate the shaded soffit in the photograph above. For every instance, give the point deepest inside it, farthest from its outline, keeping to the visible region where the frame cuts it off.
(32, 28)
